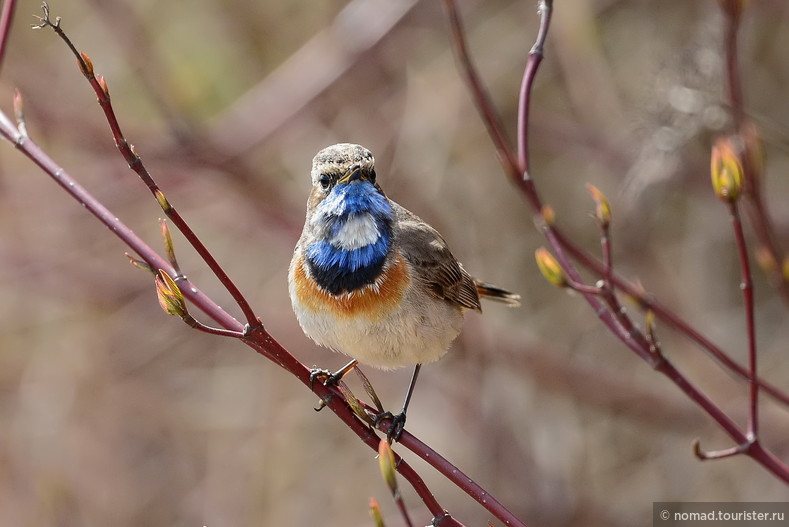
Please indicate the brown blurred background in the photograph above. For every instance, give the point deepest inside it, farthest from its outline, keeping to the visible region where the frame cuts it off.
(112, 414)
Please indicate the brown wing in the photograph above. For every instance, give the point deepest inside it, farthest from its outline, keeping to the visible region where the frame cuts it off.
(437, 268)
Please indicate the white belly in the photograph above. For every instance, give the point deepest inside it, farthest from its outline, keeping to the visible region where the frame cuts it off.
(412, 334)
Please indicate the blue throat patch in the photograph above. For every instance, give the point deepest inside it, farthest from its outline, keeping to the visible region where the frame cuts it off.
(339, 270)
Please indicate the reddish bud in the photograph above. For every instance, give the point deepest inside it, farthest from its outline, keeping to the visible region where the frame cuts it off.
(85, 64)
(548, 214)
(602, 208)
(103, 85)
(375, 513)
(726, 170)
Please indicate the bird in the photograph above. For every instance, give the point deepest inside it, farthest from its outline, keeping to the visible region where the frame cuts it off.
(372, 280)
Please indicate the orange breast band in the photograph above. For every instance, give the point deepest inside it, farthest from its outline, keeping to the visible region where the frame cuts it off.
(372, 302)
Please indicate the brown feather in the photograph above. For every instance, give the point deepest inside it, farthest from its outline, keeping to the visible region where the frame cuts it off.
(440, 271)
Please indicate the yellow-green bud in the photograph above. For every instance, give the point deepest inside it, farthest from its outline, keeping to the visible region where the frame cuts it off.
(386, 462)
(549, 267)
(170, 297)
(375, 513)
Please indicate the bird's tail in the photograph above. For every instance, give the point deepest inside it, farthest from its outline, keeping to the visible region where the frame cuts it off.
(498, 294)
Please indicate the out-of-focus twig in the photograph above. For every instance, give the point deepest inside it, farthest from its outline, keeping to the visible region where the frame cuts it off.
(603, 301)
(522, 181)
(6, 19)
(772, 254)
(727, 182)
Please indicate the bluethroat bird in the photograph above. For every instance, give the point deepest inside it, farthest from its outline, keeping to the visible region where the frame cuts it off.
(373, 281)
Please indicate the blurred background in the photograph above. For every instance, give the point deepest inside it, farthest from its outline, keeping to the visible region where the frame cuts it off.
(113, 414)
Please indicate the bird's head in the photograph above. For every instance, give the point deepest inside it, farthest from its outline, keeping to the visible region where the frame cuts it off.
(344, 190)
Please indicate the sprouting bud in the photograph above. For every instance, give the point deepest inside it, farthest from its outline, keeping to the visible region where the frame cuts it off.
(170, 297)
(140, 264)
(19, 105)
(103, 84)
(163, 203)
(548, 214)
(765, 259)
(726, 171)
(167, 238)
(386, 462)
(602, 208)
(649, 323)
(549, 267)
(86, 65)
(19, 112)
(375, 513)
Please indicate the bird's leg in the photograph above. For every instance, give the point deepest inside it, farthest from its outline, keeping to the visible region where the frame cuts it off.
(398, 421)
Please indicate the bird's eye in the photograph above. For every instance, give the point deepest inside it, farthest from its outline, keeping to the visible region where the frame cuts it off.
(371, 177)
(325, 181)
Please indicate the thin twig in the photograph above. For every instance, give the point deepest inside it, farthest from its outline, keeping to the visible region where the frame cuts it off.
(671, 319)
(545, 9)
(705, 455)
(480, 95)
(6, 20)
(759, 217)
(732, 10)
(746, 285)
(456, 476)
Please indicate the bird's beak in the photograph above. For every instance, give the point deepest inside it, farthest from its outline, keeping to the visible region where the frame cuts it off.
(353, 173)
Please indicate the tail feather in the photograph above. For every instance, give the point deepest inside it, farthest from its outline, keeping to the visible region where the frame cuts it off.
(498, 294)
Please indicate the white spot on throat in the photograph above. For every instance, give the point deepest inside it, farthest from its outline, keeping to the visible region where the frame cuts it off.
(358, 231)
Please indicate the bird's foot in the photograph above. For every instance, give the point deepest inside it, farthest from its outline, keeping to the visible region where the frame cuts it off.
(397, 426)
(329, 378)
(320, 373)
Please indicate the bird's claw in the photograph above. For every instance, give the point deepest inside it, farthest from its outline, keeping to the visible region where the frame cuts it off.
(319, 373)
(329, 379)
(397, 426)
